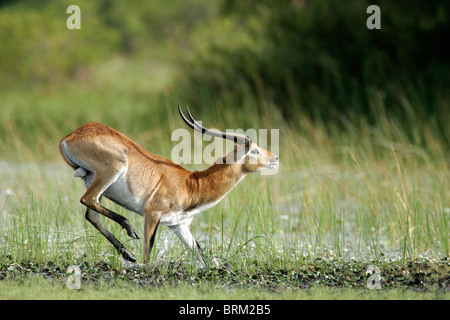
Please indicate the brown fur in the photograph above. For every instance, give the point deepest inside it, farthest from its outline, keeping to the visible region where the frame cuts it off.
(162, 185)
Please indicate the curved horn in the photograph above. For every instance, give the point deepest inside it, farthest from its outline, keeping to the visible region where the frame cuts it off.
(236, 137)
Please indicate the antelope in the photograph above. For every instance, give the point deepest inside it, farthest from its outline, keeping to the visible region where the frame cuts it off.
(114, 166)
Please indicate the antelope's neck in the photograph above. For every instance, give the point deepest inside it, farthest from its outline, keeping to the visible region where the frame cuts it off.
(211, 185)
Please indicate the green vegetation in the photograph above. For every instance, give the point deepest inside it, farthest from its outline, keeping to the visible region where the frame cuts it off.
(175, 281)
(364, 144)
(40, 289)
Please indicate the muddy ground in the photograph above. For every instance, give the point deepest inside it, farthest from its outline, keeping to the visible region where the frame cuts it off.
(414, 275)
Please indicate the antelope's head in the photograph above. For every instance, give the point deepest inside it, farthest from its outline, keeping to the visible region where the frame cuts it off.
(246, 153)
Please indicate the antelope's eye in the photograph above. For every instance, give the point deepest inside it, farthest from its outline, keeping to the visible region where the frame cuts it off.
(255, 151)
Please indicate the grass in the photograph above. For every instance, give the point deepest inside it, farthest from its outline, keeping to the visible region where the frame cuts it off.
(347, 215)
(37, 289)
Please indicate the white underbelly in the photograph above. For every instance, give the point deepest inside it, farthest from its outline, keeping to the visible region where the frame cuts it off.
(120, 193)
(182, 217)
(177, 218)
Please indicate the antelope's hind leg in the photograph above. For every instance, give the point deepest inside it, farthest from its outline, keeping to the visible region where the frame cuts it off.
(91, 199)
(94, 218)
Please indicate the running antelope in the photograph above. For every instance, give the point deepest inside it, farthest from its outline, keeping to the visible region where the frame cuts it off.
(114, 166)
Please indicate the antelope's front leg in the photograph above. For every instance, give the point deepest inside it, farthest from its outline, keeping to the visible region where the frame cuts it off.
(182, 231)
(151, 222)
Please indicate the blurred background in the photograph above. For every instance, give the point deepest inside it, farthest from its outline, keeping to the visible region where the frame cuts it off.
(310, 67)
